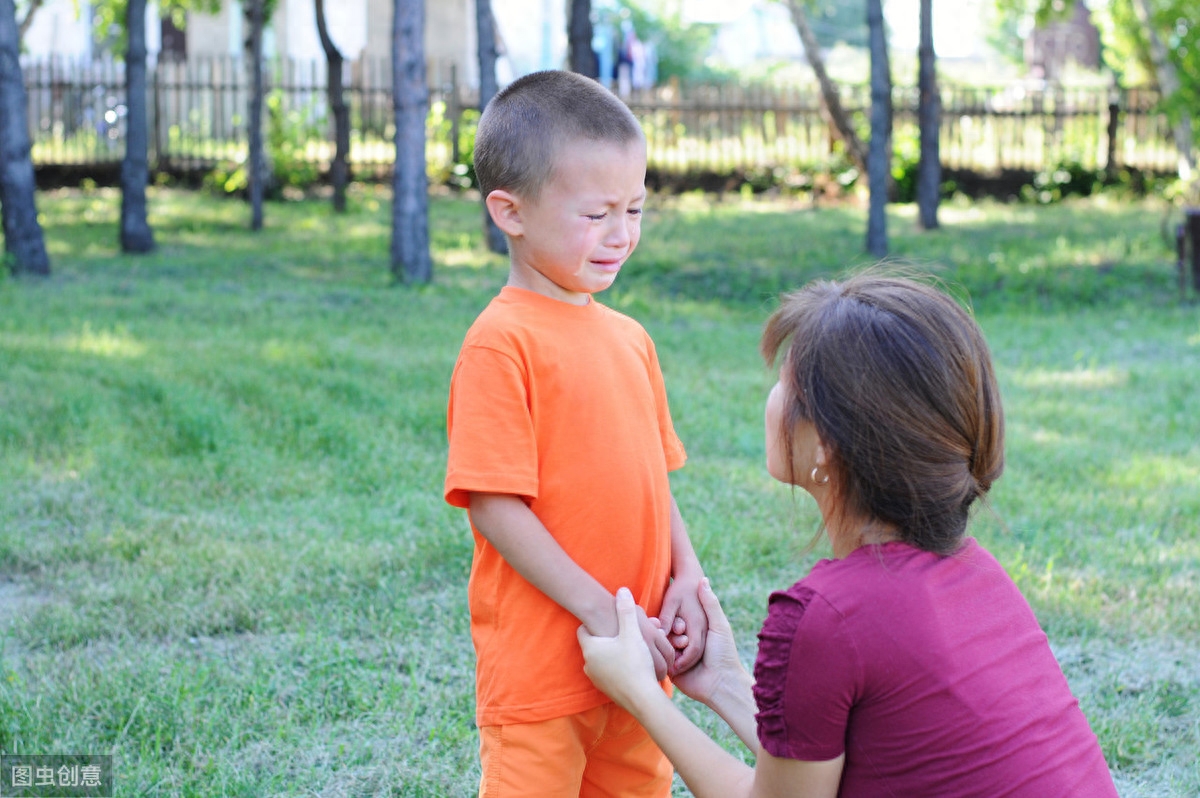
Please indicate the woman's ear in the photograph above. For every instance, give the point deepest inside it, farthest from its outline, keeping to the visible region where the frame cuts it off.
(505, 209)
(821, 457)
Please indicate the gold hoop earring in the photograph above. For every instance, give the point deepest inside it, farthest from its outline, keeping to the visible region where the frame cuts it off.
(813, 477)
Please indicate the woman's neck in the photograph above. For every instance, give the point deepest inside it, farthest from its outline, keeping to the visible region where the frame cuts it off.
(852, 534)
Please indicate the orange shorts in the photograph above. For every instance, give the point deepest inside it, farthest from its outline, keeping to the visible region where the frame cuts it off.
(598, 752)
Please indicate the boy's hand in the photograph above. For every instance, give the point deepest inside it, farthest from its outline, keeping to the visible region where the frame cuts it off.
(686, 624)
(720, 661)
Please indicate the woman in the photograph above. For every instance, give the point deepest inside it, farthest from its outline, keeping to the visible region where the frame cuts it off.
(909, 664)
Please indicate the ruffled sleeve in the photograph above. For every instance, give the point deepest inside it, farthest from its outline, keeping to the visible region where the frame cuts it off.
(785, 611)
(805, 677)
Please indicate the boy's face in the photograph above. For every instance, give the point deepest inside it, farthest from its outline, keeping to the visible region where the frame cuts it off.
(572, 240)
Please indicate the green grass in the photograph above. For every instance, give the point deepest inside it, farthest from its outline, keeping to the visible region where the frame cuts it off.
(224, 557)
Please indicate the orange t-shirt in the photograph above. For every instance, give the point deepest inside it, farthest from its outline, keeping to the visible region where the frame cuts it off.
(563, 405)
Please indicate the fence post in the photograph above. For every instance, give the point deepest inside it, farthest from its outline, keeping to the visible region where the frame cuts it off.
(1114, 120)
(156, 139)
(1191, 221)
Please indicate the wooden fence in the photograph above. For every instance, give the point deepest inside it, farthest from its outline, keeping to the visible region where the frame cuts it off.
(197, 112)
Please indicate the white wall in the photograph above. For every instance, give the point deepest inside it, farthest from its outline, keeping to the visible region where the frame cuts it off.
(534, 34)
(346, 20)
(58, 30)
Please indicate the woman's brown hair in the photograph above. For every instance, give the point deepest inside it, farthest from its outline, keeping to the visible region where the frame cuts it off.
(898, 382)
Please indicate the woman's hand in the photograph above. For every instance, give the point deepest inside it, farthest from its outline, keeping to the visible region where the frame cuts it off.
(720, 661)
(621, 666)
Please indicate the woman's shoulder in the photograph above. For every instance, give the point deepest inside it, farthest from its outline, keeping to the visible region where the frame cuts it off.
(878, 576)
(785, 609)
(897, 558)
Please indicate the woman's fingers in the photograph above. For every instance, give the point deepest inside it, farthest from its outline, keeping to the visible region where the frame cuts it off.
(627, 618)
(712, 606)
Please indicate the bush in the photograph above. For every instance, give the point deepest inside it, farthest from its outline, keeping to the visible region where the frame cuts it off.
(906, 161)
(461, 170)
(288, 133)
(1065, 179)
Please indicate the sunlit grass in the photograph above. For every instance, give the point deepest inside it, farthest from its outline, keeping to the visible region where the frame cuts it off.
(224, 556)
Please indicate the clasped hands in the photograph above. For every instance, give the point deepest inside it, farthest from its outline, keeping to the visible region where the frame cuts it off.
(626, 666)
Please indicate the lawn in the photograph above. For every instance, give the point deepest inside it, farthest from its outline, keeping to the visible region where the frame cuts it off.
(225, 560)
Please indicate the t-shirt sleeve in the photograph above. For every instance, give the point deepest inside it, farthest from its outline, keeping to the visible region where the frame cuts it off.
(805, 678)
(488, 421)
(672, 447)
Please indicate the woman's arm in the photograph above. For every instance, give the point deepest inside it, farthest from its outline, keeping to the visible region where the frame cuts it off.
(621, 667)
(719, 681)
(712, 772)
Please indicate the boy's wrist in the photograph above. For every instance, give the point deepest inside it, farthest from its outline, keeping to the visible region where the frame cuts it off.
(688, 570)
(599, 615)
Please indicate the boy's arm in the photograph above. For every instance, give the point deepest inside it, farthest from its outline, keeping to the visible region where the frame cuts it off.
(681, 611)
(525, 544)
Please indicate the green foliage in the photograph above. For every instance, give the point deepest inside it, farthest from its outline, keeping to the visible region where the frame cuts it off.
(906, 163)
(464, 166)
(1067, 179)
(837, 22)
(289, 132)
(1043, 11)
(108, 24)
(1003, 32)
(228, 178)
(682, 48)
(1126, 44)
(1178, 28)
(108, 17)
(459, 169)
(1070, 178)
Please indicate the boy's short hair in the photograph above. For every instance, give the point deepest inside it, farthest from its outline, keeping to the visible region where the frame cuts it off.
(527, 122)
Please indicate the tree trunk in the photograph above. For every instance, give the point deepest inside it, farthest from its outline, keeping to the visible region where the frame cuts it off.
(1168, 84)
(136, 235)
(831, 101)
(929, 112)
(339, 170)
(579, 40)
(485, 26)
(256, 168)
(24, 245)
(411, 261)
(878, 163)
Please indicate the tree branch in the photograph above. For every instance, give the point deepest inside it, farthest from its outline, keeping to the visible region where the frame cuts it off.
(23, 28)
(831, 100)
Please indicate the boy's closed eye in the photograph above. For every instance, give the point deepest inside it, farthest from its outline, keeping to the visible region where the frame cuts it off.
(597, 217)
